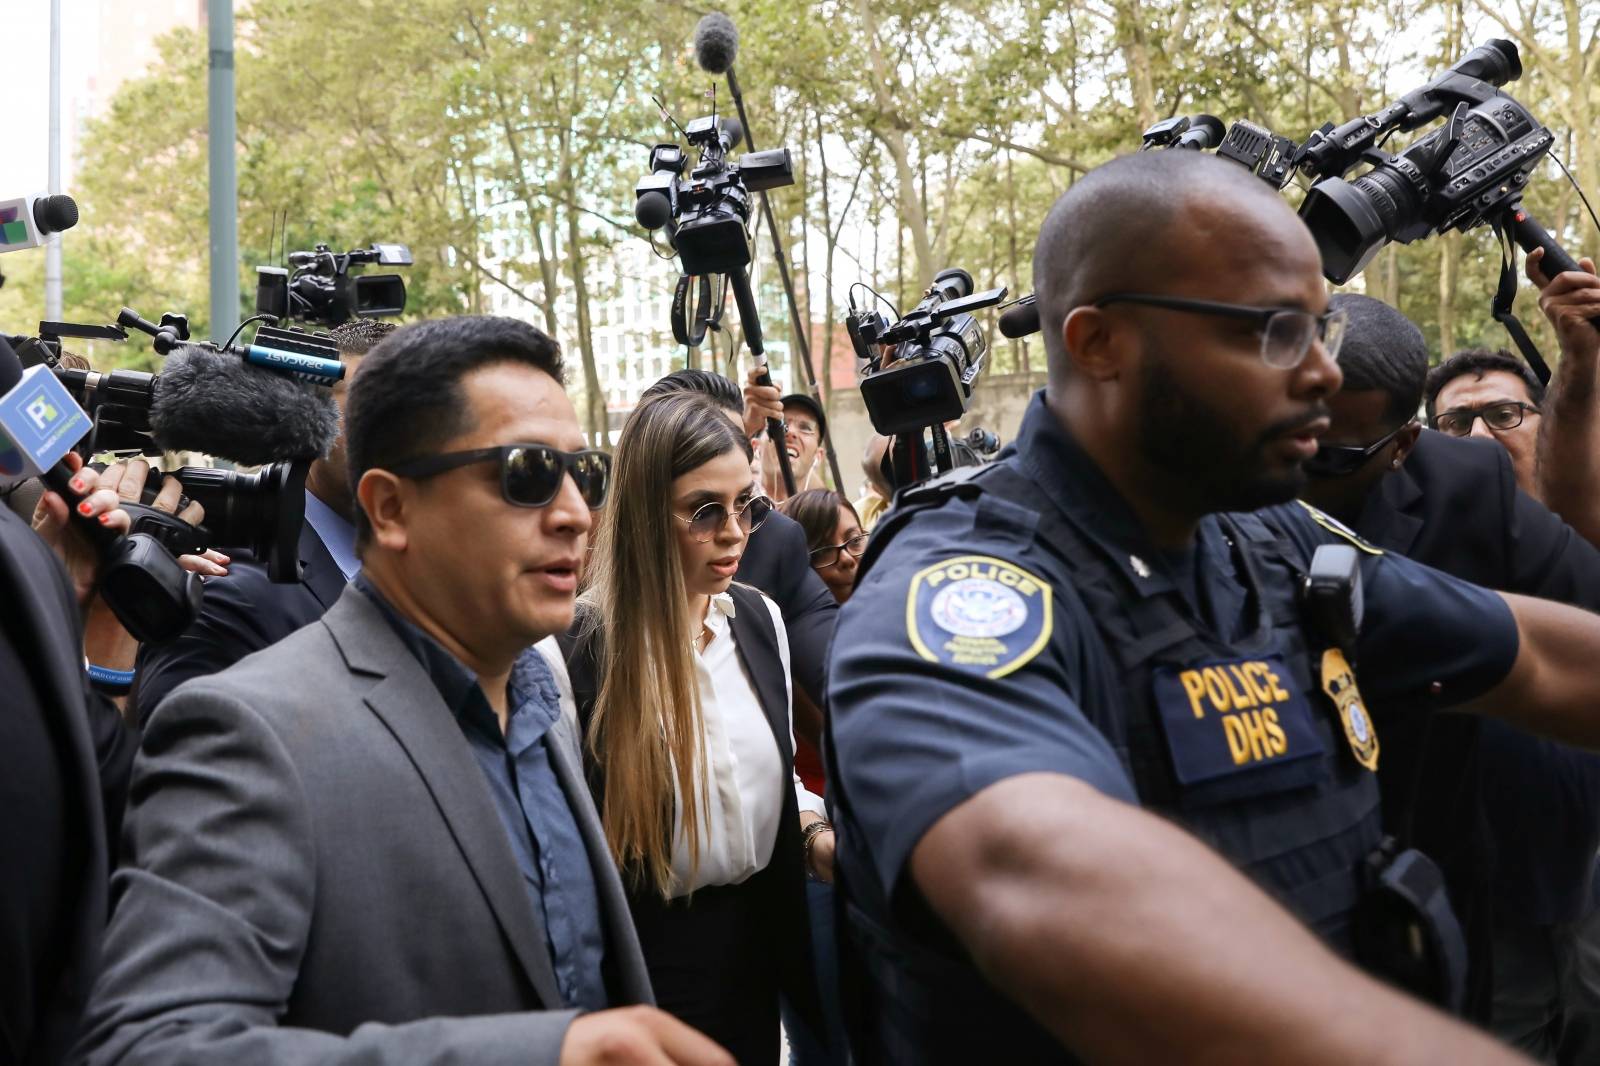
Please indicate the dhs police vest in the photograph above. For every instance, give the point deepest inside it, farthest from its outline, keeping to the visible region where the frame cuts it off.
(1234, 740)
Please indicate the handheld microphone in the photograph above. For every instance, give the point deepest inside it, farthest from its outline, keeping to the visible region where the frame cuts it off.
(1021, 318)
(29, 221)
(716, 43)
(152, 596)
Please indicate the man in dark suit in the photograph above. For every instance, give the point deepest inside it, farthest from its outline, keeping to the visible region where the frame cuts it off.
(777, 560)
(1514, 820)
(372, 842)
(64, 761)
(246, 611)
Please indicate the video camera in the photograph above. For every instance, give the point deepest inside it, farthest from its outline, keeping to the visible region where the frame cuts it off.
(919, 371)
(261, 512)
(1468, 172)
(707, 214)
(322, 289)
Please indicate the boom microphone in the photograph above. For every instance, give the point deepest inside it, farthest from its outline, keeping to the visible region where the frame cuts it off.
(1021, 318)
(210, 402)
(716, 43)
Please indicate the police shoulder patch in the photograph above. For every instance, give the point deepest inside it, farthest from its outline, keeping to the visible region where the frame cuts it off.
(979, 613)
(1339, 529)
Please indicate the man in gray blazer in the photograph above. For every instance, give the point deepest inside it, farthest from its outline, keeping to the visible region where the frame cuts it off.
(372, 842)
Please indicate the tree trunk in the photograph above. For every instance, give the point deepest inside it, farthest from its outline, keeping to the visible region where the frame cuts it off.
(890, 129)
(594, 406)
(1449, 267)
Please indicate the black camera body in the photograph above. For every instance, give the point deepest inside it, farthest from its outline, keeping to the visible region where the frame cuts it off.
(322, 289)
(920, 371)
(1470, 171)
(707, 213)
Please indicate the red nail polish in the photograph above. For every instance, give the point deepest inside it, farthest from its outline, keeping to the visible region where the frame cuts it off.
(77, 485)
(85, 507)
(105, 520)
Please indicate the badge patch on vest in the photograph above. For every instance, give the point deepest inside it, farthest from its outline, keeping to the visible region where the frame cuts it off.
(978, 612)
(1339, 529)
(1237, 728)
(1339, 682)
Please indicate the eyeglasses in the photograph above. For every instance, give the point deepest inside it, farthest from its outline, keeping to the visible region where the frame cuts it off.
(1502, 416)
(708, 519)
(803, 429)
(1286, 332)
(828, 554)
(530, 474)
(1342, 460)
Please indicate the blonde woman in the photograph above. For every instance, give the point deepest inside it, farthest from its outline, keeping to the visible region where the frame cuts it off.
(680, 680)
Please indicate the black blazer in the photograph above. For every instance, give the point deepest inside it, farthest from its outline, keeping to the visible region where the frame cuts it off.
(1454, 505)
(778, 562)
(756, 641)
(96, 756)
(242, 613)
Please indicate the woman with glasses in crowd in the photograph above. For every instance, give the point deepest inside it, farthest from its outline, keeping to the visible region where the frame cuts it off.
(833, 533)
(680, 680)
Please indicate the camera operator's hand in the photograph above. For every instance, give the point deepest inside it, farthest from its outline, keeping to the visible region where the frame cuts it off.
(761, 402)
(128, 480)
(1570, 301)
(50, 523)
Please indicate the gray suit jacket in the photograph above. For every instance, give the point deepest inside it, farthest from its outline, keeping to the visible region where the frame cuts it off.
(314, 872)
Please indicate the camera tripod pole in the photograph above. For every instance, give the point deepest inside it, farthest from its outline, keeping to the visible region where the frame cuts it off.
(750, 322)
(788, 288)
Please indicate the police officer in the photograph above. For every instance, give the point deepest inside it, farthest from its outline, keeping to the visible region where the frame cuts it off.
(1073, 699)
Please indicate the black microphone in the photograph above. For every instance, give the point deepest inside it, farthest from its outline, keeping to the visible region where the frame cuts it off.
(1205, 131)
(652, 210)
(211, 402)
(716, 43)
(1021, 318)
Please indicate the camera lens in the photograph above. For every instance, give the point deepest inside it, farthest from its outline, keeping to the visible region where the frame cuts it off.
(1351, 220)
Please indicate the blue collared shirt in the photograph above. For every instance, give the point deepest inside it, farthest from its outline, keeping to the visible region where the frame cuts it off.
(336, 534)
(529, 799)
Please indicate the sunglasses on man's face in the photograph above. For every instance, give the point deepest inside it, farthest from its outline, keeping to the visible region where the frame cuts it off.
(530, 474)
(1342, 460)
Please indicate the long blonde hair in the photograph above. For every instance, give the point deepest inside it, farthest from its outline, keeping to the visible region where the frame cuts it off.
(646, 733)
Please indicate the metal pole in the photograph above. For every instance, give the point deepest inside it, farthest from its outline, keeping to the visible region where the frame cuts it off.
(224, 172)
(799, 326)
(52, 250)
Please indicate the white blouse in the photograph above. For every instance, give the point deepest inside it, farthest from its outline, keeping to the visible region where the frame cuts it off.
(739, 821)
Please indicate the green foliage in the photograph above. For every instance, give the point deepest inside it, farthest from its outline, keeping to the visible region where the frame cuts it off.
(925, 134)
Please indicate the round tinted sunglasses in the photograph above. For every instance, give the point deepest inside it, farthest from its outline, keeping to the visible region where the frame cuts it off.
(708, 519)
(530, 474)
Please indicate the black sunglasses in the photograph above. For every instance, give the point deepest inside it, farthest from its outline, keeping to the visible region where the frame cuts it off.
(708, 519)
(1342, 460)
(530, 474)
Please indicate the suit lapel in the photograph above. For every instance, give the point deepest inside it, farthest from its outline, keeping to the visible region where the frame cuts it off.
(1388, 518)
(757, 644)
(320, 574)
(409, 705)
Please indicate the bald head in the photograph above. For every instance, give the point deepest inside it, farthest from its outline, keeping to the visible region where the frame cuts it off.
(1141, 221)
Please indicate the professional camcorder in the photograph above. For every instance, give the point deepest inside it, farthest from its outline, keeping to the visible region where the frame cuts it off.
(919, 372)
(1469, 172)
(217, 399)
(322, 289)
(707, 214)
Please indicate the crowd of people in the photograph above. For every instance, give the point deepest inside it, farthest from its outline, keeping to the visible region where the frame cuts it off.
(559, 755)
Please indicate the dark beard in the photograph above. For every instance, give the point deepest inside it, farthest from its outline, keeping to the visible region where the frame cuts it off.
(1201, 452)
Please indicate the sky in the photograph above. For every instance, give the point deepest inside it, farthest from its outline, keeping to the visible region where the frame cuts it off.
(25, 85)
